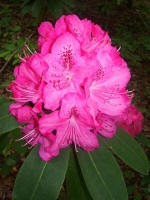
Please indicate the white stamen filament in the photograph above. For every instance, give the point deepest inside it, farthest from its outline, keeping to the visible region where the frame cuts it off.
(22, 59)
(29, 49)
(27, 135)
(119, 48)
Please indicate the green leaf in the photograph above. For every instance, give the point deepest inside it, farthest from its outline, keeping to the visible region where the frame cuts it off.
(128, 150)
(5, 84)
(16, 28)
(102, 175)
(141, 138)
(3, 53)
(4, 108)
(7, 123)
(76, 188)
(10, 46)
(4, 141)
(39, 180)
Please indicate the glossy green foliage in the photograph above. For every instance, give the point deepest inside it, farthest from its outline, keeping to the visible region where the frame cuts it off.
(76, 188)
(39, 180)
(128, 150)
(7, 122)
(102, 175)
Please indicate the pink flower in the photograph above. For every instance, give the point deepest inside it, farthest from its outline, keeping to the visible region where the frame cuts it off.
(28, 83)
(66, 72)
(73, 124)
(107, 125)
(26, 114)
(23, 114)
(45, 144)
(31, 133)
(74, 88)
(33, 136)
(107, 89)
(131, 120)
(47, 36)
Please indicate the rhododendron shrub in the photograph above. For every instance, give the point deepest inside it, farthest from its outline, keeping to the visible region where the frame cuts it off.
(79, 78)
(73, 92)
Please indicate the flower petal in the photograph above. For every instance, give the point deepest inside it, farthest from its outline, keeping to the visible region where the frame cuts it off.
(60, 26)
(65, 47)
(23, 114)
(107, 126)
(50, 122)
(131, 120)
(47, 35)
(45, 144)
(76, 132)
(110, 94)
(75, 105)
(52, 96)
(75, 25)
(38, 65)
(46, 29)
(111, 104)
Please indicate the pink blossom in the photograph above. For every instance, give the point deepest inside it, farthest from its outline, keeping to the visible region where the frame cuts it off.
(131, 120)
(47, 36)
(67, 70)
(73, 88)
(45, 144)
(60, 26)
(107, 90)
(23, 114)
(28, 83)
(31, 133)
(33, 136)
(73, 124)
(107, 125)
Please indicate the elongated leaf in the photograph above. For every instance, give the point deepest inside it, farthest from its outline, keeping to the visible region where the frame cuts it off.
(102, 175)
(128, 150)
(4, 141)
(7, 123)
(39, 180)
(76, 189)
(4, 108)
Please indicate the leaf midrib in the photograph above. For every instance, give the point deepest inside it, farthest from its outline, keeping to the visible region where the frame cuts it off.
(99, 175)
(38, 182)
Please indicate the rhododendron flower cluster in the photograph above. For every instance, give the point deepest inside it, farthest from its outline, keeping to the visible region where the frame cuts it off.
(72, 89)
